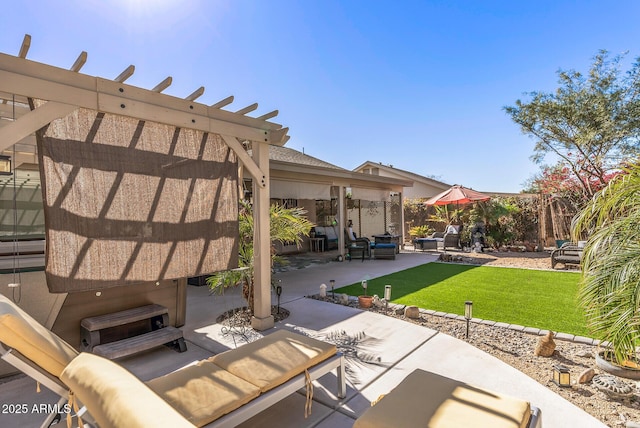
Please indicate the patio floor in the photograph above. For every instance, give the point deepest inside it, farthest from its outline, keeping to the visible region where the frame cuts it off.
(400, 346)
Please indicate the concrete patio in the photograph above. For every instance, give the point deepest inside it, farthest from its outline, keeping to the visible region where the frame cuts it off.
(400, 347)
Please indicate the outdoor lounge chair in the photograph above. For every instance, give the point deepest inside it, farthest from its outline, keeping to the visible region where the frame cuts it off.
(427, 399)
(223, 390)
(447, 239)
(568, 254)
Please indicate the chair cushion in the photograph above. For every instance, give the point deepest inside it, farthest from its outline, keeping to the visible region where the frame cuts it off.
(115, 397)
(427, 399)
(274, 359)
(203, 392)
(453, 228)
(331, 233)
(20, 331)
(385, 245)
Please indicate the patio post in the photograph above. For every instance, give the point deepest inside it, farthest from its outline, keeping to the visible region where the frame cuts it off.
(341, 220)
(401, 198)
(262, 318)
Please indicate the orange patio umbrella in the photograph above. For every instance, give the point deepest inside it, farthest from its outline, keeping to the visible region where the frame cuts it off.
(458, 195)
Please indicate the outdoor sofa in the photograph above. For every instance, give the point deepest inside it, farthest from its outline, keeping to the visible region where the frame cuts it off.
(223, 390)
(330, 235)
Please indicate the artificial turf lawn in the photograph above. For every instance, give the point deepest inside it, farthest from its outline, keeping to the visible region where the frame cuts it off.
(531, 298)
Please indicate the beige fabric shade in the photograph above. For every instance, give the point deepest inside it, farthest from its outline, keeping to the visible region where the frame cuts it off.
(375, 195)
(129, 201)
(282, 189)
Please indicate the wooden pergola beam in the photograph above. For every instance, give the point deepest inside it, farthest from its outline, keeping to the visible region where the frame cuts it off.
(35, 80)
(269, 115)
(223, 102)
(82, 59)
(195, 94)
(25, 125)
(126, 73)
(26, 44)
(248, 109)
(163, 85)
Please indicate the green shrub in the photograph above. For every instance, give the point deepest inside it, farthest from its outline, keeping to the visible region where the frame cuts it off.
(420, 231)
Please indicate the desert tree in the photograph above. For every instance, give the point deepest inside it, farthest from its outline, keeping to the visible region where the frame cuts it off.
(590, 124)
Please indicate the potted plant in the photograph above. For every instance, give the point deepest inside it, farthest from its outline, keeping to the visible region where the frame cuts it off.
(611, 270)
(420, 231)
(365, 301)
(286, 225)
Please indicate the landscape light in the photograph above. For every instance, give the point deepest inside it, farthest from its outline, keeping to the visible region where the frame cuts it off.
(468, 313)
(387, 296)
(561, 375)
(5, 165)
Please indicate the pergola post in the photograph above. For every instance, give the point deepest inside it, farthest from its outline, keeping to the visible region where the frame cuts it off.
(262, 318)
(401, 201)
(342, 210)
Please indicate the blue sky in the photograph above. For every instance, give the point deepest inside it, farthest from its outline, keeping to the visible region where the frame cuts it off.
(420, 85)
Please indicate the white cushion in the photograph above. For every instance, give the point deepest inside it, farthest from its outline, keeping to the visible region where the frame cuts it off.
(115, 397)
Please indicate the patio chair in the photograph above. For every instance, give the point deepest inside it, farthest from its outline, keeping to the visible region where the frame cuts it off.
(223, 390)
(427, 399)
(568, 254)
(448, 239)
(351, 239)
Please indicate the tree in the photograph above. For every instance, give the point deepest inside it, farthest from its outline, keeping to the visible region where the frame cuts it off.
(610, 286)
(558, 180)
(498, 215)
(286, 225)
(591, 123)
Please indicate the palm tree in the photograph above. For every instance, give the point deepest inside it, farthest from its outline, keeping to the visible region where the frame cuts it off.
(286, 225)
(610, 286)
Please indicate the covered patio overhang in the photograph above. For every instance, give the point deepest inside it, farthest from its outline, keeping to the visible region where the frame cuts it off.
(32, 95)
(320, 181)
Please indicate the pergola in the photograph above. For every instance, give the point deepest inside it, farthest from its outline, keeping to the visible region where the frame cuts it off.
(60, 92)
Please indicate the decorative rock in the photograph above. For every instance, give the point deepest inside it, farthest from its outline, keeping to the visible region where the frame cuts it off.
(378, 302)
(412, 312)
(584, 354)
(344, 299)
(323, 290)
(612, 386)
(546, 346)
(400, 311)
(586, 376)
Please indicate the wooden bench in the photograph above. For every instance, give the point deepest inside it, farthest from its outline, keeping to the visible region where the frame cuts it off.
(568, 254)
(127, 332)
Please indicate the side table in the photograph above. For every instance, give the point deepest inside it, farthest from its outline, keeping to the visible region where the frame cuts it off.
(316, 244)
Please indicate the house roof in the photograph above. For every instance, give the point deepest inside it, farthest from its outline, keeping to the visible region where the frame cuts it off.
(286, 154)
(406, 174)
(290, 163)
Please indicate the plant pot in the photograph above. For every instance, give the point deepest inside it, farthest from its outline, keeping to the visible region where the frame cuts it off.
(365, 301)
(605, 364)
